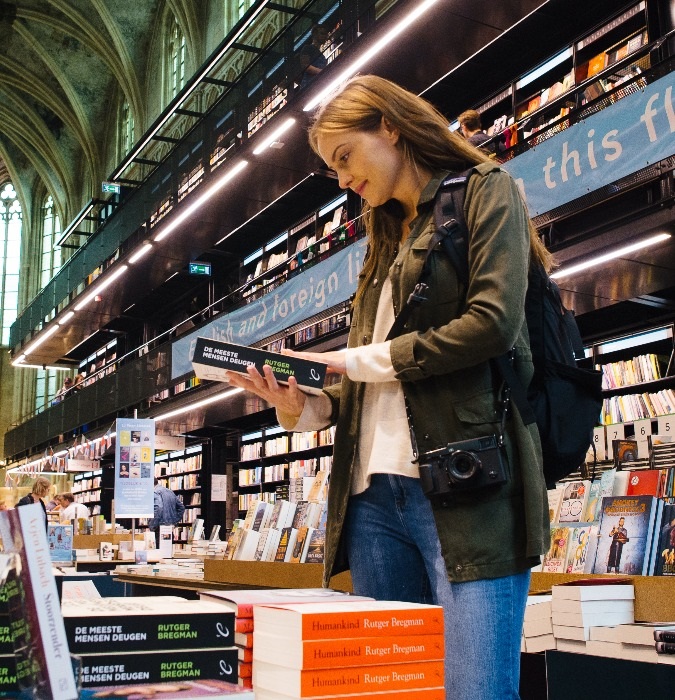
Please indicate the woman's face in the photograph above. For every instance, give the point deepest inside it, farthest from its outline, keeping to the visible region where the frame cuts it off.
(367, 162)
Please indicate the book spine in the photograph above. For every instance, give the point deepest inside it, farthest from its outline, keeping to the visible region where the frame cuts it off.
(665, 648)
(664, 636)
(353, 652)
(144, 632)
(155, 667)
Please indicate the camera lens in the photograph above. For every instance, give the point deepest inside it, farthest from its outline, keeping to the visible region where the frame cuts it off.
(463, 466)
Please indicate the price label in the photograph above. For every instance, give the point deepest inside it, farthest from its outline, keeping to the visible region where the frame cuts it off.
(599, 443)
(616, 431)
(666, 425)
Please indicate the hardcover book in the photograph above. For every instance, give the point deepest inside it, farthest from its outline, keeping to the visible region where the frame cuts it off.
(625, 534)
(577, 549)
(648, 482)
(213, 359)
(301, 683)
(331, 620)
(362, 651)
(241, 602)
(575, 495)
(158, 666)
(153, 622)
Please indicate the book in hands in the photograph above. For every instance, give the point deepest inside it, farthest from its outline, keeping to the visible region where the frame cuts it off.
(213, 359)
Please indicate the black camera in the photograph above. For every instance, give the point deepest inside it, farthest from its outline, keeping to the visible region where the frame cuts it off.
(466, 465)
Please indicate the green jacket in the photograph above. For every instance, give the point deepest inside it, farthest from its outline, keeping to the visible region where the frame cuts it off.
(443, 363)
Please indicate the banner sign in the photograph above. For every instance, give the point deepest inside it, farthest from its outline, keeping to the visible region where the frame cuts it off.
(324, 285)
(134, 468)
(635, 132)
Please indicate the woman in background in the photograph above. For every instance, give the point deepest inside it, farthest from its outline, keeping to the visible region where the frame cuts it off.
(40, 489)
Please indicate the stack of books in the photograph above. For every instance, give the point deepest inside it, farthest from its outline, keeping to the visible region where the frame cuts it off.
(633, 642)
(538, 625)
(241, 603)
(365, 648)
(581, 605)
(7, 658)
(150, 639)
(664, 638)
(185, 690)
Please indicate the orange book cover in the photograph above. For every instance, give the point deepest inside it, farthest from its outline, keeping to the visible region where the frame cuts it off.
(243, 624)
(596, 64)
(245, 669)
(342, 620)
(644, 482)
(425, 694)
(245, 654)
(360, 651)
(345, 681)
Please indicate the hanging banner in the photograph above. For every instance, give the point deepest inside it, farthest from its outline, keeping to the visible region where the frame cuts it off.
(134, 468)
(611, 144)
(322, 286)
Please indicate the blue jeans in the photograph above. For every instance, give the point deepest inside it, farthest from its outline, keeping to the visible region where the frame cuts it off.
(395, 554)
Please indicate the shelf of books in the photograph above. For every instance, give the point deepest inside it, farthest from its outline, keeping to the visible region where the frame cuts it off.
(87, 489)
(180, 471)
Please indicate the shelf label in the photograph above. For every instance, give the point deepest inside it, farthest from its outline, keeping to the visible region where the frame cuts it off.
(642, 428)
(666, 425)
(599, 442)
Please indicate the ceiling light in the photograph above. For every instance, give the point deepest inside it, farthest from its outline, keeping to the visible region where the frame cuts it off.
(41, 339)
(372, 51)
(140, 253)
(198, 404)
(106, 283)
(178, 220)
(274, 136)
(618, 253)
(66, 318)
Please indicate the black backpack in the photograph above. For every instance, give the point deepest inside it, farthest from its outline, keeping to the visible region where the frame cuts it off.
(564, 400)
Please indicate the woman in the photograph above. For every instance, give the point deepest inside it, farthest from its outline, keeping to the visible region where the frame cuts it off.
(472, 551)
(40, 489)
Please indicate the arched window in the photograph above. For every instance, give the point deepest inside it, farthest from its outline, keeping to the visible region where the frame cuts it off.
(51, 261)
(176, 61)
(10, 255)
(125, 123)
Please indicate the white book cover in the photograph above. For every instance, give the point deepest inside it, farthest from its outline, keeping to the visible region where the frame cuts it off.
(247, 546)
(554, 499)
(575, 496)
(587, 620)
(44, 639)
(594, 591)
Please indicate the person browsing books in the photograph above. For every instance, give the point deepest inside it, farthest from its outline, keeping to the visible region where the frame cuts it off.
(71, 509)
(168, 509)
(40, 489)
(470, 551)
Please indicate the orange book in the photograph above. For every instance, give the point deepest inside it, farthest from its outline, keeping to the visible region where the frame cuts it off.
(596, 64)
(343, 620)
(243, 624)
(245, 669)
(245, 654)
(358, 651)
(426, 694)
(345, 681)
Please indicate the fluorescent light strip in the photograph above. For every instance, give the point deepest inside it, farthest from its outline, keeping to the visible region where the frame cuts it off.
(544, 68)
(66, 318)
(195, 85)
(274, 136)
(178, 220)
(633, 341)
(140, 253)
(198, 404)
(44, 336)
(331, 206)
(104, 285)
(74, 224)
(619, 252)
(372, 51)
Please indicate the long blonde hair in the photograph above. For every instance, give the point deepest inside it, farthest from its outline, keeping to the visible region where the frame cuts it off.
(424, 137)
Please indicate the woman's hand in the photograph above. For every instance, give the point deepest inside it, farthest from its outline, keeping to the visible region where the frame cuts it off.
(335, 359)
(286, 399)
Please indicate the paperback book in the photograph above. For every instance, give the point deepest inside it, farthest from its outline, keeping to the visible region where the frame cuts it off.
(213, 359)
(665, 549)
(625, 535)
(575, 496)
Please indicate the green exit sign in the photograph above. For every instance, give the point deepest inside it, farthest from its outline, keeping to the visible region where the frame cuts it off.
(200, 268)
(111, 187)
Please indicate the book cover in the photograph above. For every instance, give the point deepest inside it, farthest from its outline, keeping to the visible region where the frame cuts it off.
(625, 534)
(152, 622)
(575, 495)
(105, 551)
(555, 559)
(554, 499)
(348, 619)
(665, 547)
(213, 359)
(318, 490)
(282, 514)
(158, 666)
(577, 549)
(590, 514)
(41, 648)
(364, 651)
(247, 545)
(624, 451)
(595, 589)
(646, 482)
(183, 690)
(271, 546)
(242, 601)
(8, 681)
(286, 542)
(389, 677)
(60, 538)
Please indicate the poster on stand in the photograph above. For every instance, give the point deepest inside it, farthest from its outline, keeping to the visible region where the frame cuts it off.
(134, 468)
(166, 541)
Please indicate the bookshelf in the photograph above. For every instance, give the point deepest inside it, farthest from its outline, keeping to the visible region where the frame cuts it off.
(181, 471)
(87, 490)
(579, 73)
(273, 463)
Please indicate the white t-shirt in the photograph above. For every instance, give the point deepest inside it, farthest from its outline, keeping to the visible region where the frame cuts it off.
(74, 510)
